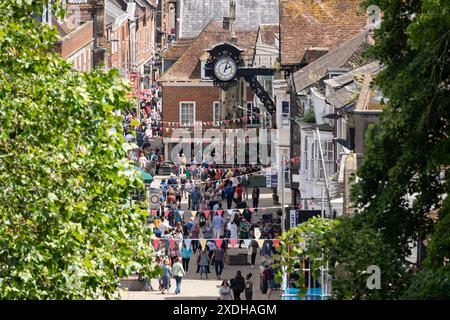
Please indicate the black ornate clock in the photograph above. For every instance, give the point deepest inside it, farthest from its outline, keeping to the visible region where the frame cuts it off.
(223, 65)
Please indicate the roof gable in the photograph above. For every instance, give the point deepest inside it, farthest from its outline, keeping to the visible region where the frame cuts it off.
(188, 66)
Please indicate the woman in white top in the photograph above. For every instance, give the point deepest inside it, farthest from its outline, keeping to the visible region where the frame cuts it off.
(178, 237)
(225, 291)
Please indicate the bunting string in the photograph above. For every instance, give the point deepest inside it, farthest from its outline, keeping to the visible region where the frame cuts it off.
(233, 241)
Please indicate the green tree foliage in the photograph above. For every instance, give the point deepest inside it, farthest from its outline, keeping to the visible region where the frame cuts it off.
(68, 229)
(405, 173)
(351, 248)
(307, 241)
(347, 250)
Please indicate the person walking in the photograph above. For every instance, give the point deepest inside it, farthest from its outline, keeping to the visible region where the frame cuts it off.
(207, 231)
(269, 276)
(186, 253)
(229, 193)
(194, 234)
(254, 248)
(187, 228)
(248, 287)
(225, 291)
(244, 229)
(178, 273)
(167, 274)
(237, 285)
(218, 257)
(227, 229)
(245, 183)
(218, 223)
(239, 191)
(255, 197)
(196, 196)
(189, 189)
(204, 263)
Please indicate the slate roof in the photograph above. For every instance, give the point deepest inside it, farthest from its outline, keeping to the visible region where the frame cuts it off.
(317, 23)
(187, 67)
(346, 78)
(342, 97)
(349, 87)
(349, 55)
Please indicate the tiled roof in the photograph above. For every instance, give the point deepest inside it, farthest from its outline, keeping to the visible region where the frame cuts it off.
(349, 54)
(178, 48)
(187, 68)
(267, 33)
(317, 23)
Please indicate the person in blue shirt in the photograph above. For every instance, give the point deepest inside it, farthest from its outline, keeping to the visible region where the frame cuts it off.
(167, 274)
(164, 187)
(196, 196)
(186, 253)
(187, 228)
(218, 223)
(178, 217)
(229, 193)
(157, 232)
(172, 180)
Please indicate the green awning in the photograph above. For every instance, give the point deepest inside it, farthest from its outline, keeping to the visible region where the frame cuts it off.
(147, 177)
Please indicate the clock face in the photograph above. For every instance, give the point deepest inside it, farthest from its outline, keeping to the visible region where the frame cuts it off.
(225, 68)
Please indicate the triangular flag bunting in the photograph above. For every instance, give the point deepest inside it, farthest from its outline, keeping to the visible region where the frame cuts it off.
(206, 213)
(154, 212)
(166, 214)
(276, 242)
(219, 243)
(241, 210)
(203, 243)
(247, 242)
(260, 243)
(171, 243)
(187, 242)
(181, 213)
(264, 209)
(219, 212)
(251, 209)
(233, 242)
(194, 213)
(156, 243)
(230, 212)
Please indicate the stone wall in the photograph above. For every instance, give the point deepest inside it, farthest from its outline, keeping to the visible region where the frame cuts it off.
(195, 14)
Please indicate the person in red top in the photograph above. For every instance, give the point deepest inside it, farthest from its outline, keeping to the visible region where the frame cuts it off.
(239, 191)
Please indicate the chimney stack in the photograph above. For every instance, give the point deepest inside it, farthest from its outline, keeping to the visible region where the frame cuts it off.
(226, 23)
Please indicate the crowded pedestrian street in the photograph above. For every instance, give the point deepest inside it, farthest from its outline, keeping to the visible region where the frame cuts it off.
(193, 287)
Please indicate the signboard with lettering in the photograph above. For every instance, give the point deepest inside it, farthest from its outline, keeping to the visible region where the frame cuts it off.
(298, 216)
(274, 178)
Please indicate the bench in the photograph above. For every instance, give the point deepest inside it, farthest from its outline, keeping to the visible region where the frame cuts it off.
(236, 259)
(132, 284)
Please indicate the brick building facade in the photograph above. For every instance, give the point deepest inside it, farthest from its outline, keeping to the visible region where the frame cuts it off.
(188, 96)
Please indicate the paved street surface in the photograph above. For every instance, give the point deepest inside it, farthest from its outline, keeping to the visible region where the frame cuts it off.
(194, 288)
